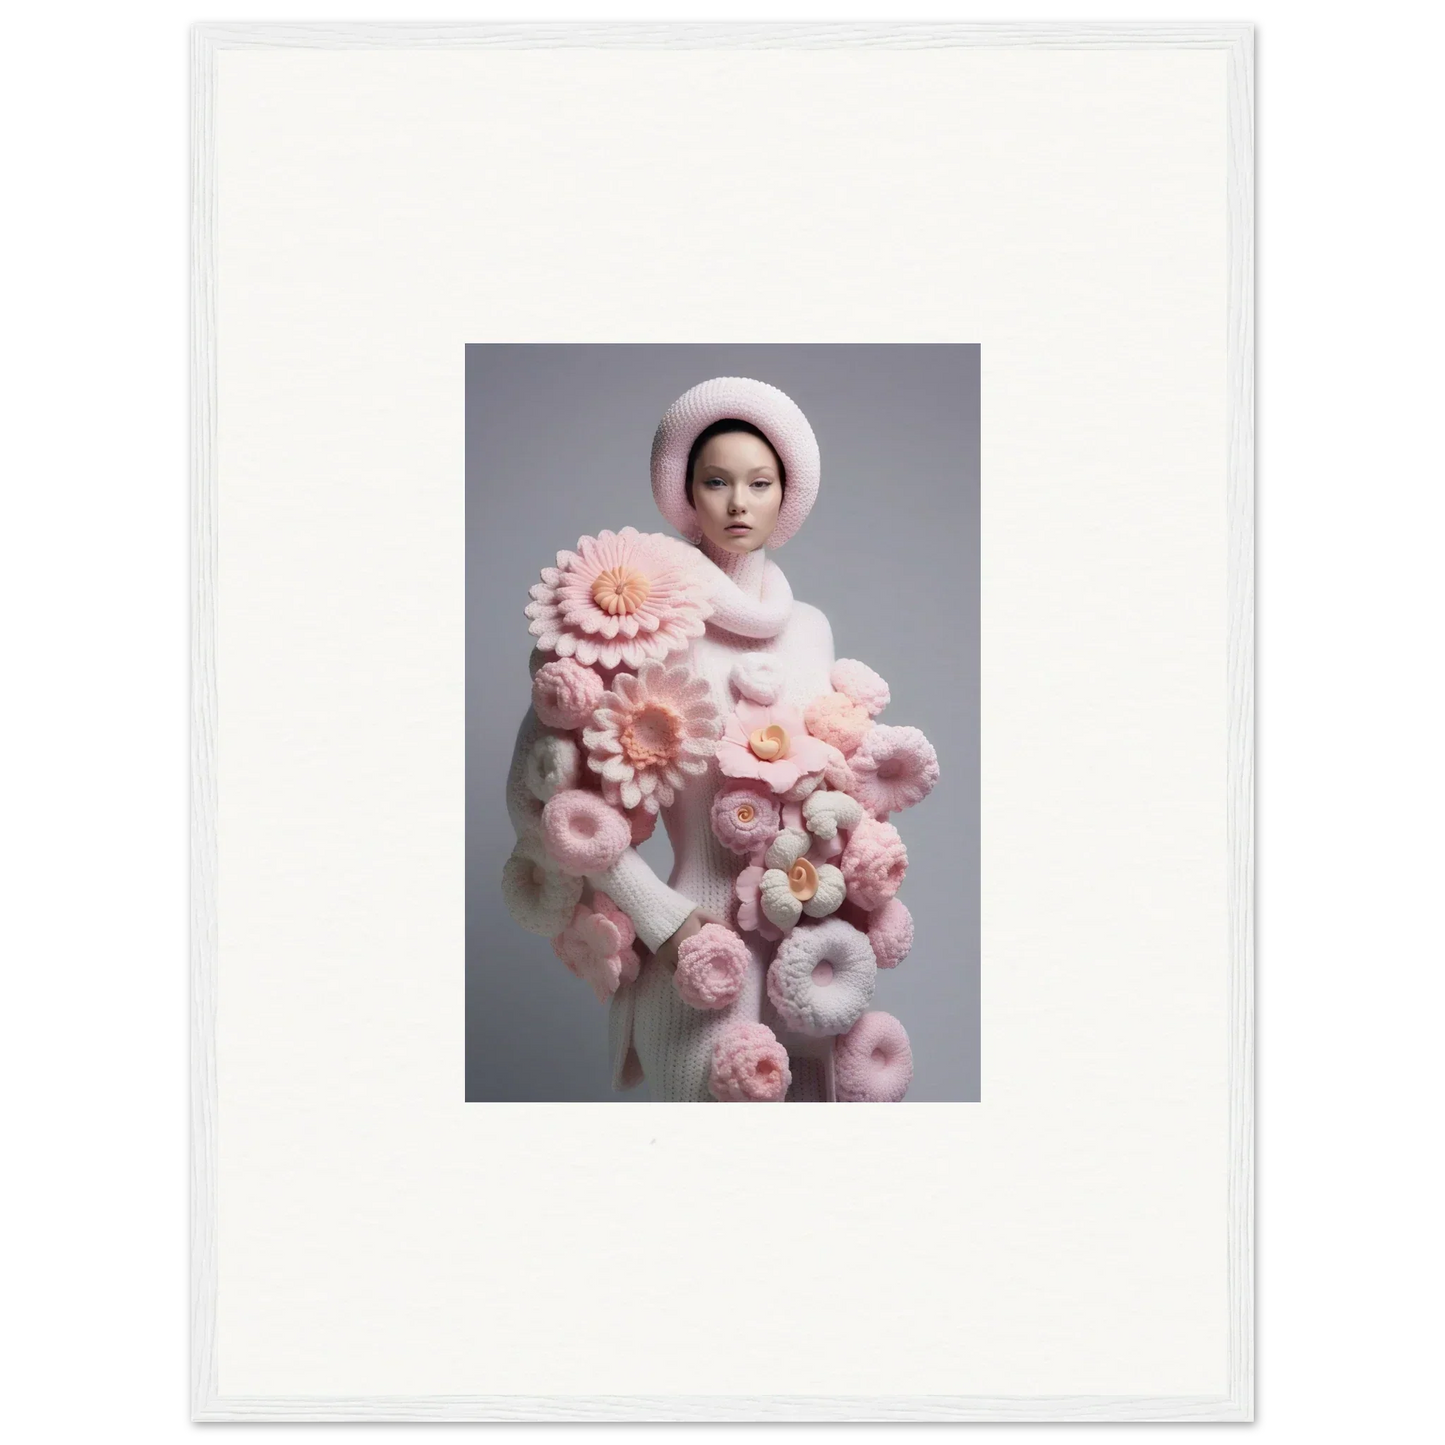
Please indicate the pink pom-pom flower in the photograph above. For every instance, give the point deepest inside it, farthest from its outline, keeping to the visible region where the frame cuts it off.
(857, 680)
(564, 693)
(712, 965)
(744, 819)
(583, 833)
(597, 946)
(873, 1062)
(837, 719)
(890, 931)
(749, 1065)
(893, 768)
(838, 774)
(873, 863)
(822, 977)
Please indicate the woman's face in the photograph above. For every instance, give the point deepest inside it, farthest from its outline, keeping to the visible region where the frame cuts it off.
(736, 492)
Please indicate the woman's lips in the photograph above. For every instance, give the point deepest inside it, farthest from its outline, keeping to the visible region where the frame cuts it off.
(739, 527)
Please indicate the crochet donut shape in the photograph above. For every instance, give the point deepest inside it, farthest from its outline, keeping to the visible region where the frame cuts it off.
(873, 1062)
(821, 978)
(773, 412)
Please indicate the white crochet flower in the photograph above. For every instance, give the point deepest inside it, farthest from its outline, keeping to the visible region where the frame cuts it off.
(827, 811)
(539, 896)
(524, 807)
(554, 762)
(786, 848)
(793, 884)
(758, 676)
(781, 906)
(832, 889)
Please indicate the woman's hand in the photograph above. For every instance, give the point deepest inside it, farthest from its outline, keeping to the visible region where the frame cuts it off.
(667, 950)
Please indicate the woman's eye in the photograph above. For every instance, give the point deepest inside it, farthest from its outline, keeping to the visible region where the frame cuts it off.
(763, 482)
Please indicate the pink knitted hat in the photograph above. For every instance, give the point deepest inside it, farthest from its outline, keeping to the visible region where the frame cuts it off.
(773, 412)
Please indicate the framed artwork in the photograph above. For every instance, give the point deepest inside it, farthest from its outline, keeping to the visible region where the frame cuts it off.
(723, 574)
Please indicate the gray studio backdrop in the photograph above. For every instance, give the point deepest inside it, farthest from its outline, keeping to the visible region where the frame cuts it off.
(557, 447)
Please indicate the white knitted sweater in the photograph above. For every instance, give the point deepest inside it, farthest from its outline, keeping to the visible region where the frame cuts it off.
(653, 1033)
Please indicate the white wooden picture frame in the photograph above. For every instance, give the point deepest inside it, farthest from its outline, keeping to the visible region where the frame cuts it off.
(1077, 197)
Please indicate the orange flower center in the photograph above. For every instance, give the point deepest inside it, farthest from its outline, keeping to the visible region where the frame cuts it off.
(802, 880)
(620, 589)
(769, 742)
(746, 813)
(650, 736)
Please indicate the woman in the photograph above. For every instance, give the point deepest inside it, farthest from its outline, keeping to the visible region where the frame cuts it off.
(687, 682)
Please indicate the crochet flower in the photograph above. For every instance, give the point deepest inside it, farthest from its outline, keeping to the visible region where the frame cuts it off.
(758, 676)
(747, 887)
(621, 598)
(524, 807)
(872, 1062)
(858, 681)
(825, 812)
(582, 833)
(793, 884)
(890, 931)
(770, 742)
(838, 774)
(564, 692)
(805, 784)
(822, 977)
(538, 895)
(597, 946)
(554, 762)
(874, 862)
(749, 1065)
(795, 875)
(893, 768)
(838, 720)
(650, 732)
(711, 967)
(744, 819)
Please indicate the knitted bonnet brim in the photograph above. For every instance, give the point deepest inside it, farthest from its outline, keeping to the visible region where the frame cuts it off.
(773, 412)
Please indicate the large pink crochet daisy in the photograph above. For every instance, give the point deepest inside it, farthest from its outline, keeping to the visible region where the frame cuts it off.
(650, 732)
(621, 598)
(770, 742)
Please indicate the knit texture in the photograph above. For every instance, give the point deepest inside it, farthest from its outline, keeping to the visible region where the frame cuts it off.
(674, 1041)
(773, 412)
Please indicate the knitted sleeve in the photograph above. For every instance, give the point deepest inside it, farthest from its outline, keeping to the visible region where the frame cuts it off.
(656, 910)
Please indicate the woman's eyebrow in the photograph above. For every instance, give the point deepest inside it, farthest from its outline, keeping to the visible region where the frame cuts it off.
(751, 471)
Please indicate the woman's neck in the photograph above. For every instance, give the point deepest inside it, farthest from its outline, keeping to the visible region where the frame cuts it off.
(745, 568)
